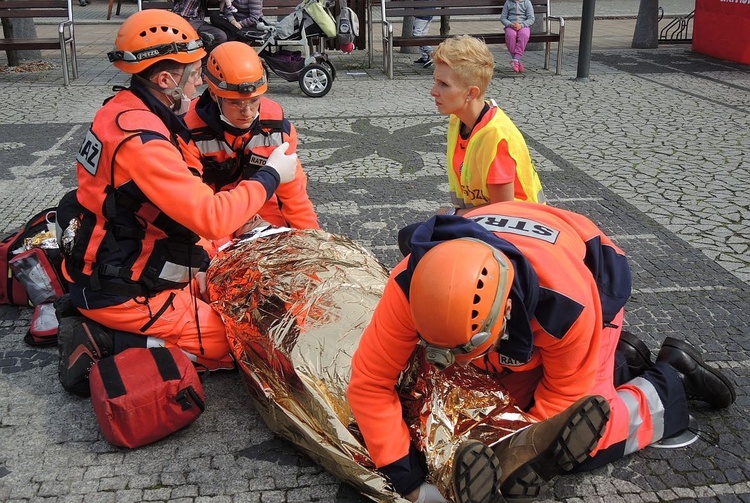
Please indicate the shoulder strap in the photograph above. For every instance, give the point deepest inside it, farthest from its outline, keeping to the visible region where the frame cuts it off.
(111, 378)
(166, 364)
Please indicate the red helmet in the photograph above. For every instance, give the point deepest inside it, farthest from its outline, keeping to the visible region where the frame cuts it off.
(154, 35)
(458, 295)
(235, 71)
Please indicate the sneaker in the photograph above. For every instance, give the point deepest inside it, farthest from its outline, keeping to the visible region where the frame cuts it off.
(532, 457)
(514, 64)
(476, 474)
(427, 63)
(520, 67)
(422, 60)
(81, 342)
(231, 9)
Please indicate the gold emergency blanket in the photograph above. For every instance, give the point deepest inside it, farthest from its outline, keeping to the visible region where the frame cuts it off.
(295, 303)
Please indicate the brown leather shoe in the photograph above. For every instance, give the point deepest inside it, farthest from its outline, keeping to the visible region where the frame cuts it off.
(701, 382)
(535, 455)
(476, 474)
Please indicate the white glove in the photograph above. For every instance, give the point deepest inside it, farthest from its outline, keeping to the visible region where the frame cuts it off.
(429, 493)
(285, 165)
(200, 278)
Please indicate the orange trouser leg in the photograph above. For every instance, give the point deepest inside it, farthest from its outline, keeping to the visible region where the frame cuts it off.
(630, 417)
(186, 322)
(644, 409)
(619, 422)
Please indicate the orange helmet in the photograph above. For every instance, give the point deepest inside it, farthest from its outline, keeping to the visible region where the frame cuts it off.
(154, 35)
(235, 71)
(458, 295)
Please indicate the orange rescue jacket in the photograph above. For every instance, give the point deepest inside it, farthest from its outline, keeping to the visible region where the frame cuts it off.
(143, 205)
(570, 280)
(229, 155)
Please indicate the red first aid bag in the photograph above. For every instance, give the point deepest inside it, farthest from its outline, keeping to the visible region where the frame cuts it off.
(142, 395)
(38, 271)
(11, 290)
(44, 326)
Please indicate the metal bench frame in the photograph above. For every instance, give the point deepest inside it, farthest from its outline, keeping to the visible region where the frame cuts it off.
(65, 30)
(393, 9)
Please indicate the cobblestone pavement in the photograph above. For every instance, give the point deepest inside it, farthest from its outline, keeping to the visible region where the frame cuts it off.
(653, 147)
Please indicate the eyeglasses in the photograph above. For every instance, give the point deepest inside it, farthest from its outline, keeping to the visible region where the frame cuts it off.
(194, 75)
(241, 104)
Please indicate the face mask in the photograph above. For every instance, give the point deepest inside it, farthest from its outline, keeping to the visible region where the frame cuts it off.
(181, 105)
(184, 106)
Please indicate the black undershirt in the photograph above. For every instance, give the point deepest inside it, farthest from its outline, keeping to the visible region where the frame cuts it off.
(481, 114)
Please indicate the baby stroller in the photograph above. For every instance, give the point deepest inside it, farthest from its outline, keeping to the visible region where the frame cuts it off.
(307, 26)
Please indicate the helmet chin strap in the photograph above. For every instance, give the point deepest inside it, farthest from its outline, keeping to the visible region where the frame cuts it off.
(220, 102)
(175, 93)
(178, 93)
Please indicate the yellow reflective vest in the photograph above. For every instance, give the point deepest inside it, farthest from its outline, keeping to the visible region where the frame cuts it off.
(471, 189)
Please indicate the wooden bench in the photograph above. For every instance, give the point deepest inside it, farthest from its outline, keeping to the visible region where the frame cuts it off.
(392, 10)
(16, 9)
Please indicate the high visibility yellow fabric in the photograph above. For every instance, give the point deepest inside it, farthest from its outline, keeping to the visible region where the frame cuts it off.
(470, 189)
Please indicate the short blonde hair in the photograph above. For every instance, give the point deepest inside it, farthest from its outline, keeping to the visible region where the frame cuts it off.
(469, 57)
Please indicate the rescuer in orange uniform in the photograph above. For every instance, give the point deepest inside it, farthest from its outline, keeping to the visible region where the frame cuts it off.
(532, 289)
(236, 128)
(133, 227)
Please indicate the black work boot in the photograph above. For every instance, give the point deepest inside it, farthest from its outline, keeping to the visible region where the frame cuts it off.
(476, 474)
(81, 342)
(636, 353)
(535, 455)
(64, 307)
(701, 382)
